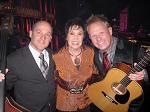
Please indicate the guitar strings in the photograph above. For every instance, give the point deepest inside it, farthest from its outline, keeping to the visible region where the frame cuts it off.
(126, 80)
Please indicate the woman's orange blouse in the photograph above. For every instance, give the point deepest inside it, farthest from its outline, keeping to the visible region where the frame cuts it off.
(67, 101)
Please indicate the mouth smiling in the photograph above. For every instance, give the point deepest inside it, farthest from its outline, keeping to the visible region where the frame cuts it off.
(75, 43)
(99, 43)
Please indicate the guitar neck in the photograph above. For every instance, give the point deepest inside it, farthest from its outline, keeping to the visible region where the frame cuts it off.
(138, 67)
(141, 64)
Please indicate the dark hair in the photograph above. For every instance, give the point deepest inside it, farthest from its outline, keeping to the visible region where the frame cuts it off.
(97, 18)
(74, 22)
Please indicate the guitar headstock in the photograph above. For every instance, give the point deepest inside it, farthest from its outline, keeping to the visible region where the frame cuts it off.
(148, 52)
(148, 49)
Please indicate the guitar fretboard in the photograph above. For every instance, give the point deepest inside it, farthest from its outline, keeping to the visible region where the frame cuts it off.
(138, 67)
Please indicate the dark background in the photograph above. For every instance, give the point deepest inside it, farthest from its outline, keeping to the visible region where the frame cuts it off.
(138, 15)
(138, 10)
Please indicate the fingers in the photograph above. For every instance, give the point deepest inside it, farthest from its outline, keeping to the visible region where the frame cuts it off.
(137, 76)
(6, 70)
(135, 64)
(2, 76)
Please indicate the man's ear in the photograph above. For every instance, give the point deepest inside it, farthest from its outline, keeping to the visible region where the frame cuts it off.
(30, 33)
(110, 30)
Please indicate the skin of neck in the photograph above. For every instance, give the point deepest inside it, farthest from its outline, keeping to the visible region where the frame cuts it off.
(74, 51)
(40, 51)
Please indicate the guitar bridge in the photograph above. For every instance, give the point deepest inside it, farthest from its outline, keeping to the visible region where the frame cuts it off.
(109, 98)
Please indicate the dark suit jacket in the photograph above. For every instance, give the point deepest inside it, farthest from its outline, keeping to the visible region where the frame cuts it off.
(31, 89)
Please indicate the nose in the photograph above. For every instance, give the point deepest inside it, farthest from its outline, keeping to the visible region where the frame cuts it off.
(98, 38)
(75, 36)
(43, 36)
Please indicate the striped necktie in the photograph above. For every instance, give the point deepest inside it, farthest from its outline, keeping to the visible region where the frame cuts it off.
(106, 63)
(43, 65)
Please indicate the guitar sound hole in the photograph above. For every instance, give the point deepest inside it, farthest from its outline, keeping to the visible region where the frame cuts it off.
(122, 94)
(123, 98)
(119, 88)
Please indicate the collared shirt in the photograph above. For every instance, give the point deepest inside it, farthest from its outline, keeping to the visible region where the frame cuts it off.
(36, 55)
(111, 52)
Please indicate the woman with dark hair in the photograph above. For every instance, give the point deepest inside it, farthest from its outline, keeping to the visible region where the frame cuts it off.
(74, 65)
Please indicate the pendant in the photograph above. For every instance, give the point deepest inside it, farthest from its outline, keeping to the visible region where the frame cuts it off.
(77, 61)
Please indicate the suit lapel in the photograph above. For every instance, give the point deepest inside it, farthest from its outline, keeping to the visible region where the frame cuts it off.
(36, 72)
(98, 62)
(32, 63)
(51, 65)
(121, 54)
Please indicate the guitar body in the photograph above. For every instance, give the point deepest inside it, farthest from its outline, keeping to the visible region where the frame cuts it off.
(105, 94)
(12, 106)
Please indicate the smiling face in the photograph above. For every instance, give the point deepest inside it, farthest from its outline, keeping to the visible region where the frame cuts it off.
(75, 37)
(100, 35)
(41, 35)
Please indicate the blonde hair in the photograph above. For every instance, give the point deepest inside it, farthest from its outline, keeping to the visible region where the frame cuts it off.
(97, 18)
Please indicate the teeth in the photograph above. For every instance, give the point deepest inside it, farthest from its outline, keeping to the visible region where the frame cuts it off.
(100, 43)
(75, 42)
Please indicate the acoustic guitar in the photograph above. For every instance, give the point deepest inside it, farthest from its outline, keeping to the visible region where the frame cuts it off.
(12, 106)
(116, 91)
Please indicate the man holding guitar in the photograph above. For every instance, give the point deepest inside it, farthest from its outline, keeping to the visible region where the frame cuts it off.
(118, 51)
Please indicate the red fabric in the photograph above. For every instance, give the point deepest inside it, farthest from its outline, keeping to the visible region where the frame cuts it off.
(106, 62)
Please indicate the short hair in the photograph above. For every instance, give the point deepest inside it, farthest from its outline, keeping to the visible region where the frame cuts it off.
(41, 21)
(74, 22)
(98, 18)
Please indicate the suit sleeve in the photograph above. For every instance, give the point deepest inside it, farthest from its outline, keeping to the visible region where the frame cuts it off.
(11, 77)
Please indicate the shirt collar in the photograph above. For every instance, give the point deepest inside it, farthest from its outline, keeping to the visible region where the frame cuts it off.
(36, 53)
(111, 51)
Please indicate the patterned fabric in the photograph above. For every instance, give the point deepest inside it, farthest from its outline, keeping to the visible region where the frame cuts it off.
(106, 62)
(43, 65)
(66, 101)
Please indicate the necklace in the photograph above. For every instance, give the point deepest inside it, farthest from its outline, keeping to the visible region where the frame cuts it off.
(76, 60)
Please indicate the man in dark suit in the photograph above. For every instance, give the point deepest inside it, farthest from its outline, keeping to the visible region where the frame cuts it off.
(33, 89)
(117, 50)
